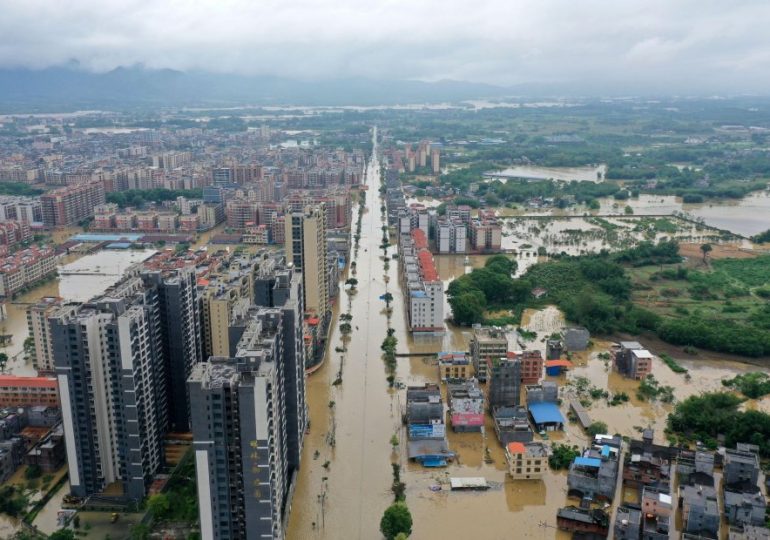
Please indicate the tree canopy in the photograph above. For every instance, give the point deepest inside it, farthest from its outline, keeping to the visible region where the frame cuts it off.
(396, 520)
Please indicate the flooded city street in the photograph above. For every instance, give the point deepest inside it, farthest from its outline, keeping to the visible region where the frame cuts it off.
(344, 484)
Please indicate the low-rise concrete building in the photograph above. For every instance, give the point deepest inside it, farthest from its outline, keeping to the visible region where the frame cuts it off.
(700, 510)
(744, 507)
(628, 523)
(749, 532)
(580, 520)
(526, 461)
(657, 509)
(512, 425)
(466, 406)
(454, 365)
(741, 465)
(594, 474)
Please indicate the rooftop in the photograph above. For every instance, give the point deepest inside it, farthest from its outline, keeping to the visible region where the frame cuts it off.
(545, 413)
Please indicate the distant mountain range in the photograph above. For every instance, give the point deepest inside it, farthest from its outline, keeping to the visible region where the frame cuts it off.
(63, 88)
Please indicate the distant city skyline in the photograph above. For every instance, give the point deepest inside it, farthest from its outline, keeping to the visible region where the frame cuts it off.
(676, 47)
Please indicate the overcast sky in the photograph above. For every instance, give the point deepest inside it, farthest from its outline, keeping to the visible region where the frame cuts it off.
(719, 44)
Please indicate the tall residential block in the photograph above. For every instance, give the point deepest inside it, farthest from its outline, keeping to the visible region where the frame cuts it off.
(306, 249)
(180, 319)
(240, 435)
(122, 362)
(40, 331)
(108, 356)
(71, 204)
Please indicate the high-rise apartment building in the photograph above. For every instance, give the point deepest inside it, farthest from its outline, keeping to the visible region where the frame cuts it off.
(306, 249)
(239, 420)
(40, 331)
(180, 318)
(69, 205)
(109, 365)
(122, 362)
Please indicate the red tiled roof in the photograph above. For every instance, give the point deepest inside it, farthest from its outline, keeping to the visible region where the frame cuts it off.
(35, 382)
(420, 241)
(313, 321)
(516, 448)
(428, 268)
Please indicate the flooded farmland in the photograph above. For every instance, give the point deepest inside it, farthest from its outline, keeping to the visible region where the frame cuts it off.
(344, 484)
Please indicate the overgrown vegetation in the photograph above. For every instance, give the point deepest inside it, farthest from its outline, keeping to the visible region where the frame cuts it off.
(645, 288)
(18, 188)
(483, 289)
(753, 385)
(562, 455)
(139, 197)
(179, 503)
(672, 364)
(651, 390)
(12, 500)
(705, 417)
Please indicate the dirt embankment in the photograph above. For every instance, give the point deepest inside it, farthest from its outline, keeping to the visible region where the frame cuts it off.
(718, 251)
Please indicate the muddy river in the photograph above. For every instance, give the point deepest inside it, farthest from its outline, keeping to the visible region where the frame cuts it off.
(343, 487)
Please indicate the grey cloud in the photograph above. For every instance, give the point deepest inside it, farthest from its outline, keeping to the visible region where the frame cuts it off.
(654, 43)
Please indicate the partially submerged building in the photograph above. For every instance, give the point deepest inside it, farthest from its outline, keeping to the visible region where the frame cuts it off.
(646, 463)
(504, 382)
(424, 288)
(454, 365)
(543, 408)
(512, 425)
(486, 343)
(628, 522)
(425, 426)
(657, 511)
(633, 361)
(582, 520)
(593, 475)
(526, 461)
(466, 406)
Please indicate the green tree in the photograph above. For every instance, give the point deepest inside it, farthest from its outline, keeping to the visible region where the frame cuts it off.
(3, 362)
(62, 534)
(32, 472)
(501, 264)
(396, 519)
(597, 428)
(388, 298)
(159, 505)
(140, 532)
(706, 249)
(468, 308)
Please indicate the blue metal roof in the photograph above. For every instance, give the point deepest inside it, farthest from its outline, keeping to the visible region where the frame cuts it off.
(588, 462)
(545, 413)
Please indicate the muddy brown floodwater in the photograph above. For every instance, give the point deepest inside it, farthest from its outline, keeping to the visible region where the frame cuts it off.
(343, 487)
